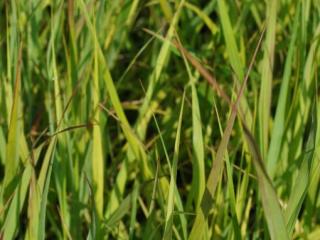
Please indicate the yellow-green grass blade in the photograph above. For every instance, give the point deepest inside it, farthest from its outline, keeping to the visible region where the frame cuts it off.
(231, 44)
(246, 215)
(267, 76)
(314, 235)
(119, 213)
(270, 203)
(12, 38)
(212, 182)
(34, 197)
(165, 7)
(33, 208)
(11, 221)
(2, 146)
(8, 92)
(242, 196)
(303, 178)
(135, 145)
(133, 141)
(116, 26)
(233, 54)
(199, 225)
(280, 117)
(118, 189)
(121, 179)
(255, 14)
(230, 186)
(133, 12)
(178, 201)
(97, 154)
(314, 174)
(304, 96)
(198, 181)
(61, 166)
(305, 18)
(44, 183)
(173, 177)
(208, 10)
(143, 122)
(73, 112)
(198, 173)
(203, 16)
(45, 164)
(134, 209)
(12, 148)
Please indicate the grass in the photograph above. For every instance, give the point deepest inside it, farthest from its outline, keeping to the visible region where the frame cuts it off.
(159, 119)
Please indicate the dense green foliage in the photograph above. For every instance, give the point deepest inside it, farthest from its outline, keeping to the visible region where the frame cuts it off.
(131, 119)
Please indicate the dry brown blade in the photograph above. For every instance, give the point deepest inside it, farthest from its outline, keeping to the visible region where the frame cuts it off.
(203, 71)
(212, 80)
(207, 76)
(70, 9)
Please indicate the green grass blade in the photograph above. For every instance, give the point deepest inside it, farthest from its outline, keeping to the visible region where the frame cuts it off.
(44, 188)
(231, 45)
(314, 174)
(235, 217)
(134, 207)
(217, 166)
(12, 148)
(111, 89)
(267, 76)
(233, 54)
(304, 97)
(178, 201)
(210, 24)
(198, 181)
(11, 222)
(91, 119)
(279, 121)
(97, 154)
(198, 174)
(302, 181)
(173, 177)
(33, 208)
(270, 203)
(165, 6)
(119, 213)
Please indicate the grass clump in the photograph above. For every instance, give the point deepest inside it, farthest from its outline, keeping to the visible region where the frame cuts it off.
(159, 119)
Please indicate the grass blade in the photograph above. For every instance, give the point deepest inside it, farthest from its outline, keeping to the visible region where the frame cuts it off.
(300, 188)
(97, 154)
(173, 176)
(217, 166)
(266, 76)
(279, 121)
(270, 203)
(12, 149)
(210, 24)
